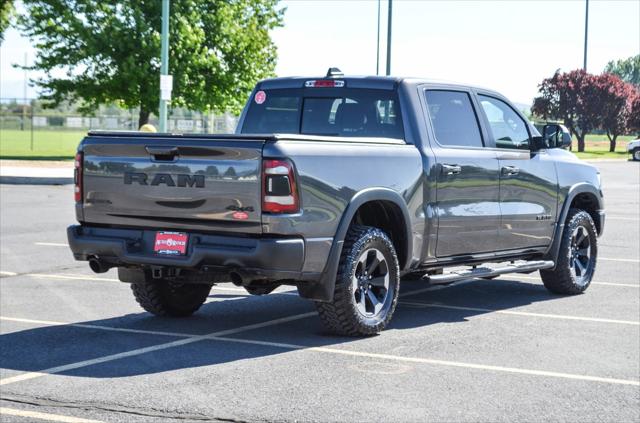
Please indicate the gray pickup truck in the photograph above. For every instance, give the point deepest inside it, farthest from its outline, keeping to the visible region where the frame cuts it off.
(339, 186)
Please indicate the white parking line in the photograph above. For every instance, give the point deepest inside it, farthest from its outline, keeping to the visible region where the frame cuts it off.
(221, 336)
(429, 288)
(70, 277)
(619, 259)
(530, 372)
(51, 244)
(59, 244)
(190, 339)
(627, 285)
(44, 416)
(522, 313)
(635, 219)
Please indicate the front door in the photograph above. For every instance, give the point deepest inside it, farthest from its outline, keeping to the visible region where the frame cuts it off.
(467, 181)
(528, 180)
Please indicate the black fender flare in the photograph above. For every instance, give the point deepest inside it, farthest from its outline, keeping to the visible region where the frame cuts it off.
(574, 191)
(323, 289)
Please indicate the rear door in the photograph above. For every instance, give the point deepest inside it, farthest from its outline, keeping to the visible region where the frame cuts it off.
(208, 184)
(528, 180)
(467, 203)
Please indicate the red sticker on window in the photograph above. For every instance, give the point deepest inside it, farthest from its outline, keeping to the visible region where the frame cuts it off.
(260, 97)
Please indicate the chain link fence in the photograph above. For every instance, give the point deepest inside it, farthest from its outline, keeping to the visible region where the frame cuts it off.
(26, 128)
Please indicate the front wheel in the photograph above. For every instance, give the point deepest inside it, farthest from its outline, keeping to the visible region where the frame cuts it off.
(636, 154)
(367, 285)
(576, 262)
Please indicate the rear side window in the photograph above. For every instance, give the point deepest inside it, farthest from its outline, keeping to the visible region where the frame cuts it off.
(453, 118)
(331, 112)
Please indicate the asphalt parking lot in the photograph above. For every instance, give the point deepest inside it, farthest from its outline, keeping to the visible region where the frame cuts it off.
(74, 344)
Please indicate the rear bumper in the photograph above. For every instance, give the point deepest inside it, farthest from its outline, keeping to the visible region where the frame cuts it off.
(251, 258)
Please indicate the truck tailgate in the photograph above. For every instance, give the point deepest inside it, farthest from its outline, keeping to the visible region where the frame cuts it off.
(173, 182)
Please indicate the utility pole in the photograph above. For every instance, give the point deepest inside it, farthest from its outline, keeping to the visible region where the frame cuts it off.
(166, 81)
(586, 32)
(24, 96)
(378, 43)
(389, 19)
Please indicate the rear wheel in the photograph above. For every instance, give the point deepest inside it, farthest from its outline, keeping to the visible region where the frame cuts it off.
(576, 261)
(167, 298)
(367, 284)
(636, 154)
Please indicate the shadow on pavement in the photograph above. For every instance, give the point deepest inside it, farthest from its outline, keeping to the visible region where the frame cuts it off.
(50, 346)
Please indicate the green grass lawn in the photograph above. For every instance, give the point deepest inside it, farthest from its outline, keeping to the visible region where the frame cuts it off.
(597, 147)
(61, 145)
(47, 145)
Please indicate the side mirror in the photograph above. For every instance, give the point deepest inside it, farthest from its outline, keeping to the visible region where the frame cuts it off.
(556, 136)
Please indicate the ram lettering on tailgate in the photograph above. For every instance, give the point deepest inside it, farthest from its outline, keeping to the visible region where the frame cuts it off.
(180, 180)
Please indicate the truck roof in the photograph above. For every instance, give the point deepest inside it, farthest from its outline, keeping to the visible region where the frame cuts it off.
(360, 81)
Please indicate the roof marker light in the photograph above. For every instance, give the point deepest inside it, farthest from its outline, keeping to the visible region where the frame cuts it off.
(324, 83)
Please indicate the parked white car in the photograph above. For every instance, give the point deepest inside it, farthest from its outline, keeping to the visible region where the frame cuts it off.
(633, 148)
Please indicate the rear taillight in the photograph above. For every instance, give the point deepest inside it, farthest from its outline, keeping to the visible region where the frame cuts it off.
(279, 191)
(77, 177)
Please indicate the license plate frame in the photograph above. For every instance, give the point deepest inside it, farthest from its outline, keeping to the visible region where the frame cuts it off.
(171, 243)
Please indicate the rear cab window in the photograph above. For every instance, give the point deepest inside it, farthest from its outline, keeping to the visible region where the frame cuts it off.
(453, 118)
(340, 112)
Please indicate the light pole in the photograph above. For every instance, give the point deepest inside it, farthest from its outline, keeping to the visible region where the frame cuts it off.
(378, 43)
(389, 39)
(166, 81)
(586, 32)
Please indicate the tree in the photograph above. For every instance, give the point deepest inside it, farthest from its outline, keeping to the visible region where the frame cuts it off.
(110, 51)
(573, 98)
(614, 97)
(6, 12)
(633, 123)
(627, 69)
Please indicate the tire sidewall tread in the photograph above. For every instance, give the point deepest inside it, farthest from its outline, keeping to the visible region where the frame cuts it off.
(341, 315)
(560, 280)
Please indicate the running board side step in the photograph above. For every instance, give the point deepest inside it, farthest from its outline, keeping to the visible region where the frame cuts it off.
(486, 272)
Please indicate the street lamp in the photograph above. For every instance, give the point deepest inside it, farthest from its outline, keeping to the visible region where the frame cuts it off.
(166, 80)
(586, 31)
(389, 38)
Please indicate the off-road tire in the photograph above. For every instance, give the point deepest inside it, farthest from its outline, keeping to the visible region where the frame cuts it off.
(165, 298)
(635, 154)
(341, 315)
(562, 280)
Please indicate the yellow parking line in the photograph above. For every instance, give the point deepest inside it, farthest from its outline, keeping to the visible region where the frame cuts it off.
(44, 416)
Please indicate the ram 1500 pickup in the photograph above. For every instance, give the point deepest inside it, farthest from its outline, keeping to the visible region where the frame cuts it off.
(339, 186)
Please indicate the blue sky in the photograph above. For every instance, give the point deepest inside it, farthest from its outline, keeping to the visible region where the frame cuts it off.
(509, 46)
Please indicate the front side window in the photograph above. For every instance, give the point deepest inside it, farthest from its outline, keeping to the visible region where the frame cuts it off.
(508, 128)
(453, 118)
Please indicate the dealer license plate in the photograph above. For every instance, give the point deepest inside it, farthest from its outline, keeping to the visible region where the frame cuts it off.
(171, 243)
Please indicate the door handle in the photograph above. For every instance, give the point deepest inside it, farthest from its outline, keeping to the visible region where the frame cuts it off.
(510, 170)
(162, 153)
(448, 169)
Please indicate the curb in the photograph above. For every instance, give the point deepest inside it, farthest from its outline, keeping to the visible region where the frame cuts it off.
(35, 180)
